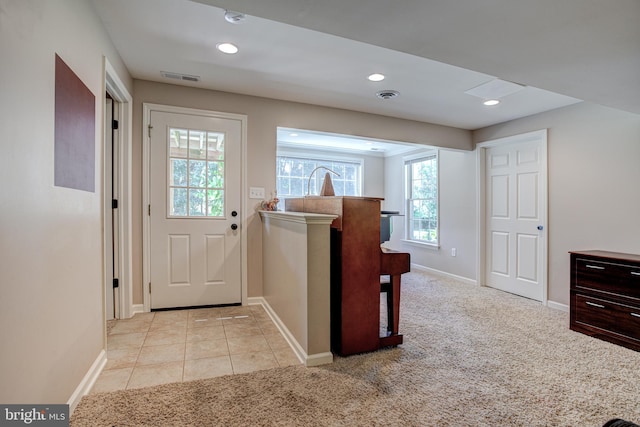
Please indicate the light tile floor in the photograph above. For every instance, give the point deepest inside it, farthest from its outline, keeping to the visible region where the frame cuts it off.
(183, 345)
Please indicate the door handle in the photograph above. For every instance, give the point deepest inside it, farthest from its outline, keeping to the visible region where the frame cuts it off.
(540, 227)
(234, 226)
(234, 213)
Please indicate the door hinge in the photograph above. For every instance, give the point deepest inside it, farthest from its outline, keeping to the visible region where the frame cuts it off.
(114, 124)
(114, 204)
(149, 210)
(150, 127)
(116, 283)
(149, 287)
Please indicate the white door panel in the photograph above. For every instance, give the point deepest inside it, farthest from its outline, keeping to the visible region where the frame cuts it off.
(515, 203)
(194, 193)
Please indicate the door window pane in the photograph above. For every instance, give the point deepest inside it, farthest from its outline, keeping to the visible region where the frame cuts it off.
(196, 173)
(215, 202)
(178, 202)
(178, 173)
(197, 145)
(215, 178)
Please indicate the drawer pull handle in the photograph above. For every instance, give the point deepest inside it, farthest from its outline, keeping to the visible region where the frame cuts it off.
(593, 304)
(635, 273)
(595, 267)
(635, 314)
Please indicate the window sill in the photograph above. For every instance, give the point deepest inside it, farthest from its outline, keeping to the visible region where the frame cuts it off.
(432, 246)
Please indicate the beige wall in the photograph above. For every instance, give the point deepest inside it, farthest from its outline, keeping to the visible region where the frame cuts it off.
(264, 116)
(51, 290)
(593, 169)
(457, 208)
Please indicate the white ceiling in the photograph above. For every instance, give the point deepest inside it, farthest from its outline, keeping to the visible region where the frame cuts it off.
(587, 49)
(283, 61)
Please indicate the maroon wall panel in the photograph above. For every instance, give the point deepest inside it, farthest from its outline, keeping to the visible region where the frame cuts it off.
(75, 114)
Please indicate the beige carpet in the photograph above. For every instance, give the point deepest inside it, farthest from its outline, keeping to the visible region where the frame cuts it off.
(472, 357)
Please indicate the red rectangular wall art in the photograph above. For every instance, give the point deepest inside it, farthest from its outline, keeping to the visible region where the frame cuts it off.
(75, 121)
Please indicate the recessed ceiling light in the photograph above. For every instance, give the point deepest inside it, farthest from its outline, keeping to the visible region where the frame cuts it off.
(376, 77)
(293, 134)
(490, 102)
(227, 48)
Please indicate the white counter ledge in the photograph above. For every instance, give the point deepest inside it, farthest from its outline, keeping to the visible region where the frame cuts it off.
(296, 280)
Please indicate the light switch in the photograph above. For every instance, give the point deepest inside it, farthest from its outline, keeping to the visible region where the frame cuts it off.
(256, 192)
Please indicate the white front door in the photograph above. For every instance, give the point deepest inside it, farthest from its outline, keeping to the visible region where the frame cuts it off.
(194, 194)
(515, 177)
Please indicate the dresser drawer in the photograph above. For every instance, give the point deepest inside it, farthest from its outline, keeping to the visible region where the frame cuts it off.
(612, 278)
(612, 317)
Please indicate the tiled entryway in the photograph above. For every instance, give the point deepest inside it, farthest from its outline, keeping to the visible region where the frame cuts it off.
(183, 345)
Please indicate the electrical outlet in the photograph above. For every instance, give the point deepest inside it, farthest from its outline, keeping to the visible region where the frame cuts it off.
(256, 193)
(454, 252)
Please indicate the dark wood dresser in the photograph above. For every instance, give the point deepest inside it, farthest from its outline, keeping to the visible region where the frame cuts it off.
(605, 296)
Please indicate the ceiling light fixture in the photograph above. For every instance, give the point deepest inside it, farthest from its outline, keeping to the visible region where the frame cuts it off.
(376, 77)
(234, 17)
(227, 48)
(491, 102)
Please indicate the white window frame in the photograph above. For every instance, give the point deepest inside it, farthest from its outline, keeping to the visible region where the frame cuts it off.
(319, 157)
(408, 161)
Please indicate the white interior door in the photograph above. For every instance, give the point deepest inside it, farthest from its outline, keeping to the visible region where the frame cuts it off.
(515, 177)
(195, 178)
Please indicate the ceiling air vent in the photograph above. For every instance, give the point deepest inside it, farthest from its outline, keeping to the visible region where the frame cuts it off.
(178, 76)
(387, 94)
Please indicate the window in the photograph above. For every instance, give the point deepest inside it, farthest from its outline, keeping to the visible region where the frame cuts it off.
(196, 173)
(293, 175)
(422, 198)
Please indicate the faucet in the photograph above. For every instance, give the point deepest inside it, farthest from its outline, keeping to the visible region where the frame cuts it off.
(311, 175)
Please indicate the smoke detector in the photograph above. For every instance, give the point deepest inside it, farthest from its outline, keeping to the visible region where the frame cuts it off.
(387, 94)
(234, 17)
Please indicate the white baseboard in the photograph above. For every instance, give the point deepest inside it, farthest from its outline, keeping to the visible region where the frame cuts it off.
(255, 301)
(418, 267)
(136, 308)
(558, 306)
(88, 381)
(319, 359)
(443, 274)
(308, 360)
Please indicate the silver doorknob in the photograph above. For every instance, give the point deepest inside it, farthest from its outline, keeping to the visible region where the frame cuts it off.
(540, 227)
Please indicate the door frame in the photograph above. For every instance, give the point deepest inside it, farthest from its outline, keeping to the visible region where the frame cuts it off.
(481, 226)
(120, 94)
(146, 155)
(111, 236)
